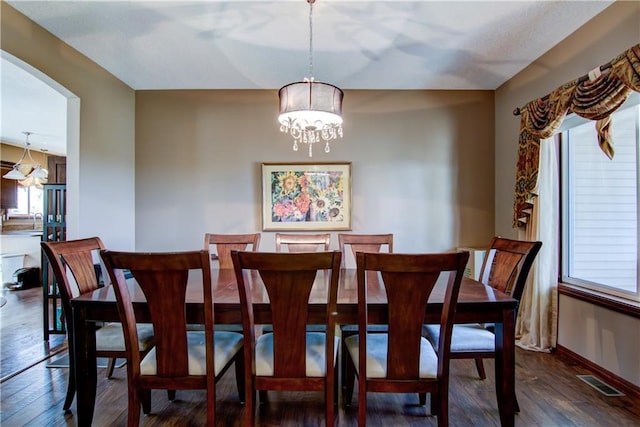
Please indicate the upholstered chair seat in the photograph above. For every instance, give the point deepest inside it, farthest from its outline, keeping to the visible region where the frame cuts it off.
(377, 356)
(315, 354)
(469, 337)
(111, 338)
(226, 346)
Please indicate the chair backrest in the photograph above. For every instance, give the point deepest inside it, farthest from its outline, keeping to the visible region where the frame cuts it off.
(408, 280)
(163, 278)
(302, 242)
(73, 264)
(288, 279)
(363, 243)
(507, 263)
(225, 243)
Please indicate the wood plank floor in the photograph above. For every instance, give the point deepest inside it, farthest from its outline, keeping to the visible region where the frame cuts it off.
(21, 332)
(548, 390)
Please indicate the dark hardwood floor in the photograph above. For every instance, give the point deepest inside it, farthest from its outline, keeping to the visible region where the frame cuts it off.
(548, 390)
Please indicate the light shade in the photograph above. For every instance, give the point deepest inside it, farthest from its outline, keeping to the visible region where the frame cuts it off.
(27, 174)
(39, 172)
(311, 112)
(14, 174)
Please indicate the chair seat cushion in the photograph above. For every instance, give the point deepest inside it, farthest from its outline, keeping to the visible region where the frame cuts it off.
(111, 338)
(226, 345)
(464, 338)
(377, 355)
(315, 357)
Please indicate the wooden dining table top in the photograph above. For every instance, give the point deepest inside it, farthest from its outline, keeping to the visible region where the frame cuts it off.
(473, 298)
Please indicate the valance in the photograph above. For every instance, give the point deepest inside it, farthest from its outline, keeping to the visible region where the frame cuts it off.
(594, 98)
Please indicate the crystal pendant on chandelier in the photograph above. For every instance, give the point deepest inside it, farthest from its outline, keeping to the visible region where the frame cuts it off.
(311, 111)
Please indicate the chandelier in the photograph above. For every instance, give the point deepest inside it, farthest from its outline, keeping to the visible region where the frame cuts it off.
(28, 174)
(311, 111)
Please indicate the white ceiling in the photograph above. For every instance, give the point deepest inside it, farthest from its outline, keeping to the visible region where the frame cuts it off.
(357, 44)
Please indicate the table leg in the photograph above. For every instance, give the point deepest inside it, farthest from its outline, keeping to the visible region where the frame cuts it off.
(505, 367)
(84, 363)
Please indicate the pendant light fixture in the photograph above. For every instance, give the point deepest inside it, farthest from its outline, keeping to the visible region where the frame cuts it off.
(28, 173)
(311, 111)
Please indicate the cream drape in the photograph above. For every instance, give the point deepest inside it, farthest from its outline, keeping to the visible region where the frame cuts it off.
(537, 318)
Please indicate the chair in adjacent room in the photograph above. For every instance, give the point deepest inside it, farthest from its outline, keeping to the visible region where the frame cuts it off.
(360, 243)
(505, 267)
(290, 357)
(302, 242)
(402, 360)
(181, 359)
(73, 264)
(225, 243)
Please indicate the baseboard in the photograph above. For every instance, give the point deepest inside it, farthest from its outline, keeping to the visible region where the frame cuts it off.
(621, 384)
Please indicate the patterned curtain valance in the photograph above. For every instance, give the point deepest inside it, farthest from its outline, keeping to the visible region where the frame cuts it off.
(593, 98)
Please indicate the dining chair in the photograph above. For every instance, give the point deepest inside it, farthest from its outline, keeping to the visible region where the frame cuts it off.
(73, 265)
(401, 360)
(225, 243)
(359, 243)
(298, 243)
(181, 359)
(302, 242)
(362, 243)
(505, 267)
(290, 357)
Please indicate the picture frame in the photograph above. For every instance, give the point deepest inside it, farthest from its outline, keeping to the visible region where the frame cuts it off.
(306, 196)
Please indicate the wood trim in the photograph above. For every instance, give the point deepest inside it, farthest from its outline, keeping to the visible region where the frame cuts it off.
(9, 188)
(623, 385)
(617, 304)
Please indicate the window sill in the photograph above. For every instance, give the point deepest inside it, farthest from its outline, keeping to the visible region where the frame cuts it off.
(613, 303)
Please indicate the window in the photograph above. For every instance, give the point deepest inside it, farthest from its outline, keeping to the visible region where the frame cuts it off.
(29, 201)
(599, 201)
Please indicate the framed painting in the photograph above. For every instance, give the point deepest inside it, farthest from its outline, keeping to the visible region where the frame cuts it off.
(306, 196)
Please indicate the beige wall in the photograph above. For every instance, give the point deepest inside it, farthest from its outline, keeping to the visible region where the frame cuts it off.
(100, 157)
(610, 33)
(422, 165)
(11, 153)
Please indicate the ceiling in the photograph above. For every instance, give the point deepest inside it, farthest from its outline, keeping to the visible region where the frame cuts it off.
(358, 44)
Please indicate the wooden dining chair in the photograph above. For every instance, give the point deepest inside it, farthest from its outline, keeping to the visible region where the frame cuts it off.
(505, 267)
(73, 264)
(302, 242)
(290, 357)
(359, 243)
(222, 245)
(182, 359)
(298, 243)
(225, 243)
(401, 360)
(362, 243)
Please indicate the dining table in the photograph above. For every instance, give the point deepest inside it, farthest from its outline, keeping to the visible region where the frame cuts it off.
(477, 303)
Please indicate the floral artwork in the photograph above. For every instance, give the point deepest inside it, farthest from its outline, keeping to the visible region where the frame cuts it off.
(306, 197)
